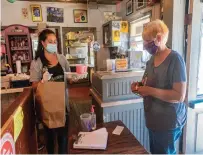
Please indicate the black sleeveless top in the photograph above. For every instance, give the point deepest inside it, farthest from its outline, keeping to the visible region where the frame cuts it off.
(58, 74)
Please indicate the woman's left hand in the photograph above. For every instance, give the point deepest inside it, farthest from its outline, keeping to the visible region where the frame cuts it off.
(144, 91)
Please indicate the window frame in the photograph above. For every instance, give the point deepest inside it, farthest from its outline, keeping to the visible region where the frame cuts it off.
(200, 55)
(137, 20)
(193, 52)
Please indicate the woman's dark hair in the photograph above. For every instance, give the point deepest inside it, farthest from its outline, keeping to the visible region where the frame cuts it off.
(40, 48)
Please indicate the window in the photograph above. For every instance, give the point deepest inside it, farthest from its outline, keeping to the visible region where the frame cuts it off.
(200, 69)
(136, 42)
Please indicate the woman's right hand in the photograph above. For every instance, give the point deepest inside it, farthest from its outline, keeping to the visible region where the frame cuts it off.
(134, 86)
(46, 77)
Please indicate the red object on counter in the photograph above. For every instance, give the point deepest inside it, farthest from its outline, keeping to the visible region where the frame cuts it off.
(81, 69)
(3, 49)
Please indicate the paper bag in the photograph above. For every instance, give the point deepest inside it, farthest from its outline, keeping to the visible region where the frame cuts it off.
(50, 97)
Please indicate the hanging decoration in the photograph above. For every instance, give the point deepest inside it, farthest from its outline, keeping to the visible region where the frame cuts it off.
(11, 1)
(96, 46)
(25, 13)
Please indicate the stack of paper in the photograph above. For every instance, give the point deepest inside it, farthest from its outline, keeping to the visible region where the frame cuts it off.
(92, 140)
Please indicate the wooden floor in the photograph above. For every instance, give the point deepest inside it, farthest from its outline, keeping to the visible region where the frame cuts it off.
(80, 102)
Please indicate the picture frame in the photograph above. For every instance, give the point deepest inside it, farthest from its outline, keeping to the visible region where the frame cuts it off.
(55, 14)
(80, 16)
(129, 7)
(36, 12)
(140, 4)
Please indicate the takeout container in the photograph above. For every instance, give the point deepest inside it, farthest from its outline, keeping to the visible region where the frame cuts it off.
(75, 76)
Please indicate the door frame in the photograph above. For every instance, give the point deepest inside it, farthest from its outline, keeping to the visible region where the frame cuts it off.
(192, 61)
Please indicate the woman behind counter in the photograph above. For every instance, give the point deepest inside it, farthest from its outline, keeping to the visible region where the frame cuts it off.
(163, 91)
(56, 64)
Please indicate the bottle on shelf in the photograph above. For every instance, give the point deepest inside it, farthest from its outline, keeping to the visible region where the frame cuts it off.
(12, 42)
(93, 119)
(23, 42)
(18, 42)
(26, 42)
(24, 57)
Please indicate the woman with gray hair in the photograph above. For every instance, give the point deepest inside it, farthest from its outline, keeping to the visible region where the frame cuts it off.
(163, 89)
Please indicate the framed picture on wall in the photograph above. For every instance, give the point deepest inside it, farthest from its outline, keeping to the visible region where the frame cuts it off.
(36, 12)
(140, 4)
(80, 16)
(129, 7)
(55, 15)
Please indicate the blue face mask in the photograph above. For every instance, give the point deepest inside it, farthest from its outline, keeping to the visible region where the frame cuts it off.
(51, 48)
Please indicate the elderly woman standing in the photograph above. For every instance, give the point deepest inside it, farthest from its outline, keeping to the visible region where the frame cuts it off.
(163, 91)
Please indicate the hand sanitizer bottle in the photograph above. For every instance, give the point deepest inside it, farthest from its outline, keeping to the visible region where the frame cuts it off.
(93, 120)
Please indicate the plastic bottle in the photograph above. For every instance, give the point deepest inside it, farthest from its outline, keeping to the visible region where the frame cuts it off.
(93, 120)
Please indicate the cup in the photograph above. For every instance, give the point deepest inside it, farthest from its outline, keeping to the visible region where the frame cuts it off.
(86, 121)
(110, 64)
(81, 69)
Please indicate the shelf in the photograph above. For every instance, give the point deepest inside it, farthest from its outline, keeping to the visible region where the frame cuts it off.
(23, 62)
(75, 46)
(71, 39)
(88, 65)
(76, 59)
(19, 48)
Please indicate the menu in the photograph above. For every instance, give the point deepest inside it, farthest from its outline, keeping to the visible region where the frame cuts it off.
(121, 64)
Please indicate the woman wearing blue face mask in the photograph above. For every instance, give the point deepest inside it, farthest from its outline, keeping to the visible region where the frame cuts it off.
(163, 90)
(48, 60)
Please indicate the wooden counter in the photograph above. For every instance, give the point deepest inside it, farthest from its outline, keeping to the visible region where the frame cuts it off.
(18, 121)
(130, 112)
(126, 143)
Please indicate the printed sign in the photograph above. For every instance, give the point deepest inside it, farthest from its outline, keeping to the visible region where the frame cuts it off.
(116, 25)
(18, 122)
(116, 35)
(96, 46)
(121, 64)
(124, 26)
(7, 144)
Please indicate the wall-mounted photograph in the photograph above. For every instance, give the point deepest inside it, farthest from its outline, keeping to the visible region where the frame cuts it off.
(140, 4)
(36, 12)
(80, 16)
(55, 15)
(129, 7)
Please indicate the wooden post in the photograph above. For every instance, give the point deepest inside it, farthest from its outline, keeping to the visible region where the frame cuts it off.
(174, 16)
